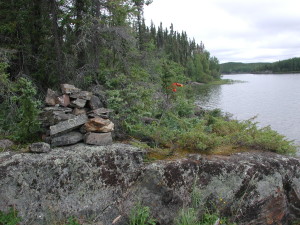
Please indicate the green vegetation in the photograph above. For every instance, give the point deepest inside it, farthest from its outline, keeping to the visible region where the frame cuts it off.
(145, 71)
(194, 215)
(9, 218)
(190, 217)
(285, 66)
(238, 67)
(72, 221)
(89, 42)
(210, 131)
(140, 215)
(19, 108)
(187, 217)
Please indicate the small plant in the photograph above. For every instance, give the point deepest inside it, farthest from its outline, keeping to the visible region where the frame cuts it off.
(140, 215)
(196, 196)
(187, 217)
(72, 221)
(10, 217)
(209, 219)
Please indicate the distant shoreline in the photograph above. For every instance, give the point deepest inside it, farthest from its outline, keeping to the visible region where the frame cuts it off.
(286, 72)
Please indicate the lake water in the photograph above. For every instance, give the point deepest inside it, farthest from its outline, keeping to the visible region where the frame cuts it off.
(273, 98)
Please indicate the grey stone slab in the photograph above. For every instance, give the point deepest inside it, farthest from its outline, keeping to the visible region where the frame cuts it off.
(68, 124)
(80, 103)
(98, 138)
(102, 112)
(58, 108)
(82, 95)
(95, 102)
(66, 139)
(50, 118)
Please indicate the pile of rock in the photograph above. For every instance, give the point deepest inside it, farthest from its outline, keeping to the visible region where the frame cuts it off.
(74, 116)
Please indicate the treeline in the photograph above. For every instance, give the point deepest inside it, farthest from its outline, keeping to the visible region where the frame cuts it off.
(57, 41)
(238, 67)
(285, 66)
(199, 66)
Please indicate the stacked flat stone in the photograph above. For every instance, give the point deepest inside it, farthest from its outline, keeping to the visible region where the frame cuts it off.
(74, 116)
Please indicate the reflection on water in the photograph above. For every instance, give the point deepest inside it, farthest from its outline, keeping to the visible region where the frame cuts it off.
(274, 99)
(209, 96)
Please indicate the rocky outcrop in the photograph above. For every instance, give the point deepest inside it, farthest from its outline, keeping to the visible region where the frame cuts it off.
(100, 183)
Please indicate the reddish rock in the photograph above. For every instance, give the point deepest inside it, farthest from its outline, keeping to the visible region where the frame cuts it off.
(109, 128)
(63, 100)
(98, 138)
(78, 111)
(51, 97)
(99, 125)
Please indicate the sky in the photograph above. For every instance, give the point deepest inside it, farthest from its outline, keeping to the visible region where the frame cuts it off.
(235, 30)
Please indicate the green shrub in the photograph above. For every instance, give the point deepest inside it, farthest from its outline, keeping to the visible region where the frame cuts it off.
(248, 134)
(209, 218)
(140, 215)
(19, 109)
(27, 114)
(198, 138)
(10, 217)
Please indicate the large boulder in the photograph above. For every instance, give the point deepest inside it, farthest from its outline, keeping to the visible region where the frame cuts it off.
(101, 183)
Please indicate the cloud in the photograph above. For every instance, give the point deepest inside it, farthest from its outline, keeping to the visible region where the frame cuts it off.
(235, 30)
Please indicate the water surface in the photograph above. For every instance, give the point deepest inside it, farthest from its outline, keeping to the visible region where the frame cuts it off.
(274, 99)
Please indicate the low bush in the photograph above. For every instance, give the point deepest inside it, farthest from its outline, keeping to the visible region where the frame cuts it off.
(19, 108)
(209, 132)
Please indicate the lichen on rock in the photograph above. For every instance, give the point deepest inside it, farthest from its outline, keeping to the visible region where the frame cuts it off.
(100, 183)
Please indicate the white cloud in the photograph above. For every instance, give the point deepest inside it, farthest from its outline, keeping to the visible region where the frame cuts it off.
(235, 30)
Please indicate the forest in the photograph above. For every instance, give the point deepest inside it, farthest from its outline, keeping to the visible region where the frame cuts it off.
(92, 41)
(44, 43)
(284, 66)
